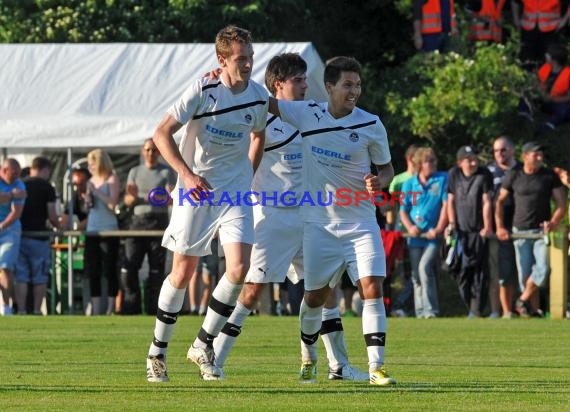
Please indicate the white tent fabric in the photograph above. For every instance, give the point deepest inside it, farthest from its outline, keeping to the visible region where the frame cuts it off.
(109, 95)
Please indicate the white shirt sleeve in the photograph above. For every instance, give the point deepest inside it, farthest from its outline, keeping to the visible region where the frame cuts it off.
(292, 111)
(187, 105)
(261, 120)
(379, 149)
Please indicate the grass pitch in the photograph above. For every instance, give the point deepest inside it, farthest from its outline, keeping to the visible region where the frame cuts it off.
(83, 363)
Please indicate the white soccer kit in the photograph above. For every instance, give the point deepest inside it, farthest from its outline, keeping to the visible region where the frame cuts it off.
(278, 228)
(337, 154)
(215, 146)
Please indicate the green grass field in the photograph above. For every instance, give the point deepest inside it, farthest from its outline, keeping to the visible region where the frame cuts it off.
(81, 363)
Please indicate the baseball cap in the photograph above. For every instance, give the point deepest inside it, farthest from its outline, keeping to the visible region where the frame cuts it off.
(465, 151)
(532, 147)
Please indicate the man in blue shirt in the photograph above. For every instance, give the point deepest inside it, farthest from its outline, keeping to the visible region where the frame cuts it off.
(12, 195)
(424, 211)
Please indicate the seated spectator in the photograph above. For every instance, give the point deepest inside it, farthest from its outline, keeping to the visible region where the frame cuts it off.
(34, 260)
(554, 78)
(101, 253)
(12, 195)
(425, 213)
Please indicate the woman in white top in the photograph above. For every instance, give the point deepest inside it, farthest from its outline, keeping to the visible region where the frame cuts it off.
(101, 253)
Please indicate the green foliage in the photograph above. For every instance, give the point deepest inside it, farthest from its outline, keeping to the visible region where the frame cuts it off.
(452, 99)
(37, 21)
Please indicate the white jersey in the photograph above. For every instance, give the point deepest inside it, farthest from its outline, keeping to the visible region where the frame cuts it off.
(337, 154)
(281, 165)
(216, 140)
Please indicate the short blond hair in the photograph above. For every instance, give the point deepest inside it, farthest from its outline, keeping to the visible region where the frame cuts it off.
(229, 35)
(421, 155)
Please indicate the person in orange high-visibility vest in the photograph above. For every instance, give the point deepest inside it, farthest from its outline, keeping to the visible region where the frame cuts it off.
(554, 78)
(487, 24)
(539, 22)
(434, 22)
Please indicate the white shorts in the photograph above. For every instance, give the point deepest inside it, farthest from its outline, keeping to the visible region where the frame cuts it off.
(330, 249)
(192, 228)
(278, 244)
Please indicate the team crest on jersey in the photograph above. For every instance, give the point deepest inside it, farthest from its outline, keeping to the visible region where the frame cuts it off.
(353, 137)
(248, 118)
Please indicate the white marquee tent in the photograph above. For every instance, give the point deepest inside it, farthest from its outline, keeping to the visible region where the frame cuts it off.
(61, 96)
(76, 97)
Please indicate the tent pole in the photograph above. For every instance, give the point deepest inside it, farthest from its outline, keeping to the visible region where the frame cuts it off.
(69, 238)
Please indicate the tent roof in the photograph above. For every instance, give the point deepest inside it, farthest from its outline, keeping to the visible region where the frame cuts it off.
(109, 95)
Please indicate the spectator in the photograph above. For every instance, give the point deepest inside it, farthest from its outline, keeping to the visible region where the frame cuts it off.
(532, 187)
(502, 267)
(143, 180)
(12, 195)
(470, 215)
(554, 77)
(393, 222)
(539, 22)
(79, 179)
(434, 22)
(424, 212)
(34, 260)
(392, 216)
(487, 21)
(101, 252)
(204, 281)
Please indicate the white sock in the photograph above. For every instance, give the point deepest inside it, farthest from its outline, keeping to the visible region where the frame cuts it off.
(221, 305)
(225, 341)
(311, 321)
(170, 302)
(333, 339)
(374, 329)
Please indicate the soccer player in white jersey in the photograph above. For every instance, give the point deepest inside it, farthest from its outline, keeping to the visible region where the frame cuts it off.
(278, 225)
(340, 141)
(213, 169)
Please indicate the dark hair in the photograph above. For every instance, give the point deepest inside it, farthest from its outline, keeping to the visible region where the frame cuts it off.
(40, 163)
(558, 52)
(229, 35)
(82, 171)
(282, 67)
(339, 64)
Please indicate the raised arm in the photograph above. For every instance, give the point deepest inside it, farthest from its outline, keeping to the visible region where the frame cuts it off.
(274, 106)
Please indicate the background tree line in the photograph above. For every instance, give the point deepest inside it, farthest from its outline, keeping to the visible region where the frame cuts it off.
(467, 96)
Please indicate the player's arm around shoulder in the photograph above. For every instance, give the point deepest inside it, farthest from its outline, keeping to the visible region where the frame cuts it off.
(256, 147)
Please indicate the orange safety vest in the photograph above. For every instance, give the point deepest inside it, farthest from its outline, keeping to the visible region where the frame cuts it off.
(431, 17)
(489, 29)
(561, 86)
(545, 13)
